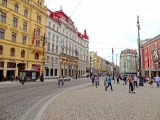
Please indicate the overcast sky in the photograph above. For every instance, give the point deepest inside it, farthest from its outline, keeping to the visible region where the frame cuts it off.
(112, 23)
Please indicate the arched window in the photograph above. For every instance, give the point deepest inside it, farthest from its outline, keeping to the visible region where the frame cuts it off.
(1, 49)
(38, 31)
(16, 7)
(23, 53)
(36, 56)
(12, 52)
(26, 13)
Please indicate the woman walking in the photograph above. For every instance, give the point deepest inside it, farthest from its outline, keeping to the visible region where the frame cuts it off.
(131, 84)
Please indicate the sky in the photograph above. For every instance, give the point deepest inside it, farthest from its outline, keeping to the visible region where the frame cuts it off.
(112, 23)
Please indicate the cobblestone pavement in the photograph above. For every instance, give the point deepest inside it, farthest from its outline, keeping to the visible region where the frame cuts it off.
(90, 103)
(16, 99)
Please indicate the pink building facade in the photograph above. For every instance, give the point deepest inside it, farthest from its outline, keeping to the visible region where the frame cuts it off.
(150, 55)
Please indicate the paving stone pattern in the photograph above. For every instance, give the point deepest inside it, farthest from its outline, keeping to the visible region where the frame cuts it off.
(90, 103)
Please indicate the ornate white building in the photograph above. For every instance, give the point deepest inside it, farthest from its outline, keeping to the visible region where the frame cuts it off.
(66, 48)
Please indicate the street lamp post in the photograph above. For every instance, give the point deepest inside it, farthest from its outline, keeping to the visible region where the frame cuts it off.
(113, 64)
(90, 65)
(140, 74)
(136, 63)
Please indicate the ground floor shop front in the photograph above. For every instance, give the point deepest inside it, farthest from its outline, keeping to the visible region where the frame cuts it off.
(13, 67)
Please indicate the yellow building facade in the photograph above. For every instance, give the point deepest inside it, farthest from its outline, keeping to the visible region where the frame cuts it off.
(22, 27)
(97, 63)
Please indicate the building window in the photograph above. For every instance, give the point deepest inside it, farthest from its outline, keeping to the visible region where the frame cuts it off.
(12, 52)
(15, 21)
(24, 39)
(36, 56)
(38, 19)
(4, 2)
(37, 43)
(26, 13)
(49, 35)
(24, 26)
(16, 7)
(22, 53)
(47, 59)
(52, 59)
(3, 17)
(2, 33)
(1, 49)
(52, 48)
(53, 37)
(49, 24)
(13, 36)
(38, 31)
(48, 47)
(53, 26)
(56, 49)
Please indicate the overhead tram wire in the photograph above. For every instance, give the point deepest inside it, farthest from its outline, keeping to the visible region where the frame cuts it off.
(75, 8)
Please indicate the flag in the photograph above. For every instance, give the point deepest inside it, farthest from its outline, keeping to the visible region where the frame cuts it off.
(33, 36)
(112, 51)
(43, 39)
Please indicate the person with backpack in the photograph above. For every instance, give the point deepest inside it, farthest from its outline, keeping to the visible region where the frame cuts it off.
(109, 83)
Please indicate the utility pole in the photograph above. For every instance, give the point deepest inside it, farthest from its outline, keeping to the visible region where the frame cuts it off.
(116, 64)
(113, 64)
(90, 65)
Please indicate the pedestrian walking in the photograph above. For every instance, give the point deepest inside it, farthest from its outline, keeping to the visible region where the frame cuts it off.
(131, 89)
(109, 83)
(96, 81)
(124, 80)
(12, 77)
(22, 80)
(151, 82)
(157, 80)
(135, 81)
(59, 79)
(118, 82)
(93, 78)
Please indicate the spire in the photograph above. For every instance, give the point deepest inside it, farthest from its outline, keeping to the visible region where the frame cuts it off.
(85, 34)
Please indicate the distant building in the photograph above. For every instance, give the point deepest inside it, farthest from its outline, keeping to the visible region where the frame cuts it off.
(128, 61)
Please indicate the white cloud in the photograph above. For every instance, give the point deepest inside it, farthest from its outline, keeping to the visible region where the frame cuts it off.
(112, 22)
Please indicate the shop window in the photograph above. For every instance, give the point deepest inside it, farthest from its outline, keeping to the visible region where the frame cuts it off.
(12, 52)
(16, 7)
(22, 53)
(1, 50)
(36, 56)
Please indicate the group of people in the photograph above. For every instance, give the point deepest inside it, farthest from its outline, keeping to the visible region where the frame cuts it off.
(132, 82)
(95, 80)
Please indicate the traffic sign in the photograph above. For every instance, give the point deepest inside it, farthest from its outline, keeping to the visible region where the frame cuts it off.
(52, 65)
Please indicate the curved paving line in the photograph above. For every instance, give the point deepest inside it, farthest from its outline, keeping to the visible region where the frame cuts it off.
(45, 103)
(40, 113)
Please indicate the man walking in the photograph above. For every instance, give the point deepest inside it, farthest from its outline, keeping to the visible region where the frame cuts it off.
(109, 83)
(135, 81)
(157, 80)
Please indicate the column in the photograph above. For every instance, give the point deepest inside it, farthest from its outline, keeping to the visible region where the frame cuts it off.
(5, 69)
(16, 70)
